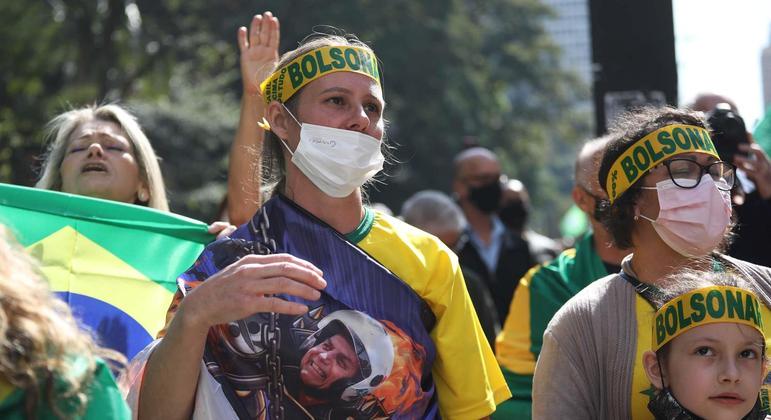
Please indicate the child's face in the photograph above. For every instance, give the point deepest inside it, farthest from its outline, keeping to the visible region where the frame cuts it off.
(716, 370)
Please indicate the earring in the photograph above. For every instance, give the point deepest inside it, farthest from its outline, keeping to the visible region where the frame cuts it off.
(142, 195)
(636, 217)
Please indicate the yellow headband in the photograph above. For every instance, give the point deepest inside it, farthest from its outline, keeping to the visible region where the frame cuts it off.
(286, 81)
(653, 149)
(704, 306)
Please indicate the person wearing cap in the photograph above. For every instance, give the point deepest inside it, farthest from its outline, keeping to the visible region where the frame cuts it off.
(668, 202)
(545, 288)
(314, 248)
(708, 349)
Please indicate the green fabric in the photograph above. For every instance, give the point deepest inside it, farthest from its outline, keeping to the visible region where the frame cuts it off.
(520, 404)
(364, 227)
(104, 401)
(34, 214)
(550, 287)
(557, 282)
(115, 264)
(762, 134)
(574, 223)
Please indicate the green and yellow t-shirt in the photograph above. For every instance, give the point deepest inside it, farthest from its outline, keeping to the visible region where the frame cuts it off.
(540, 294)
(468, 380)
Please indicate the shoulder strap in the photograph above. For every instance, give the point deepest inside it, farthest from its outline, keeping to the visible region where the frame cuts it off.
(646, 291)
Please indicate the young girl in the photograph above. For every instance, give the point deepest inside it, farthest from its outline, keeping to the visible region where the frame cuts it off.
(708, 356)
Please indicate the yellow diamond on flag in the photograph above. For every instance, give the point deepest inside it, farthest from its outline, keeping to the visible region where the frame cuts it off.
(115, 264)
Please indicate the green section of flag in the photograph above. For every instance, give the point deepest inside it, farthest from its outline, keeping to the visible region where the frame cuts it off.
(574, 223)
(762, 134)
(159, 245)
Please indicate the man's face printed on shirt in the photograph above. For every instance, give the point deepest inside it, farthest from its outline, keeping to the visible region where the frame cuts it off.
(327, 362)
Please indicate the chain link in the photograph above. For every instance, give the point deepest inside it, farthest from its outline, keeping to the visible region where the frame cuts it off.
(265, 246)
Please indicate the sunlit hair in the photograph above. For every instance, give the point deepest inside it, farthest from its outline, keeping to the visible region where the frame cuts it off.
(40, 340)
(273, 163)
(59, 136)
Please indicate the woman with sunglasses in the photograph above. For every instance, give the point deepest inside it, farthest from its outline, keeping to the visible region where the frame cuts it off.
(669, 202)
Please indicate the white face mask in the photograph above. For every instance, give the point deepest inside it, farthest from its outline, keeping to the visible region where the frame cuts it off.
(336, 161)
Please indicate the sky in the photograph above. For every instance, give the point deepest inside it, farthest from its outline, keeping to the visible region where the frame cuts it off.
(718, 44)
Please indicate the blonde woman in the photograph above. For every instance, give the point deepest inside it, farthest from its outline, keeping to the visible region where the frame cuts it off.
(235, 344)
(48, 367)
(101, 151)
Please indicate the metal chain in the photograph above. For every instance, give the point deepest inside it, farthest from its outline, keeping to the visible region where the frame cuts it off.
(265, 246)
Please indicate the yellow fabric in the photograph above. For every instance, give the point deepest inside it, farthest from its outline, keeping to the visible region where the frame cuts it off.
(286, 81)
(642, 390)
(653, 149)
(86, 276)
(703, 306)
(514, 342)
(468, 380)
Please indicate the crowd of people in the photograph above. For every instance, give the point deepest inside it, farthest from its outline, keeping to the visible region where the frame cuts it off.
(312, 303)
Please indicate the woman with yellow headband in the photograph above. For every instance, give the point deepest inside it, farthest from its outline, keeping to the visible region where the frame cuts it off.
(669, 203)
(250, 332)
(708, 349)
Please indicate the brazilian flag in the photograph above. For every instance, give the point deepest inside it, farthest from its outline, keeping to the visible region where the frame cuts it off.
(115, 264)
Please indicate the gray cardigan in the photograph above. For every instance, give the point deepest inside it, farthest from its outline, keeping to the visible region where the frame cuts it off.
(586, 364)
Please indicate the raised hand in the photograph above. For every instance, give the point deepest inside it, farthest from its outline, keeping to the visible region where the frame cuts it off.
(259, 50)
(757, 167)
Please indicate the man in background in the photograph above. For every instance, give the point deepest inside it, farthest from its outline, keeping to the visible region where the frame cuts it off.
(487, 247)
(545, 288)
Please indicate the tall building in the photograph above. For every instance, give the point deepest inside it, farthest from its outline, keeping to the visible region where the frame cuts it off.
(570, 30)
(612, 48)
(765, 69)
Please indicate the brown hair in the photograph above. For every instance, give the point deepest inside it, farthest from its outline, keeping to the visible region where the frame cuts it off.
(40, 340)
(630, 127)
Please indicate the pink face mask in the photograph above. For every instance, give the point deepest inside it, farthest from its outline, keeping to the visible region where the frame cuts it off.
(692, 221)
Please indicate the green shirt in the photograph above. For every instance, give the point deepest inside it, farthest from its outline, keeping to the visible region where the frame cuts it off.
(104, 400)
(540, 294)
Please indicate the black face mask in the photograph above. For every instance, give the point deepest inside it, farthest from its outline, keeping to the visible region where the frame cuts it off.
(514, 215)
(486, 197)
(664, 406)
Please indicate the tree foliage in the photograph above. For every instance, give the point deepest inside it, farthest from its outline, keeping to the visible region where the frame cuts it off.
(453, 70)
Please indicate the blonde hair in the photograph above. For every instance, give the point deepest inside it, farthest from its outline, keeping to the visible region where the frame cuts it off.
(40, 339)
(59, 136)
